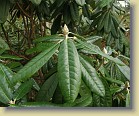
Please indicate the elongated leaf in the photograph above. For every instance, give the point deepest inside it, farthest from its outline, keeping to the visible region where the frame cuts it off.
(5, 91)
(93, 39)
(39, 47)
(23, 89)
(52, 38)
(69, 72)
(91, 78)
(6, 56)
(34, 65)
(93, 48)
(7, 73)
(48, 88)
(125, 70)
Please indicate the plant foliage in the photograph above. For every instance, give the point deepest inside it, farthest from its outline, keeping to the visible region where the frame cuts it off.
(64, 53)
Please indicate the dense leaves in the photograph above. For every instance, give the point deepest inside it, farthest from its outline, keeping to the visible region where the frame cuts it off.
(64, 53)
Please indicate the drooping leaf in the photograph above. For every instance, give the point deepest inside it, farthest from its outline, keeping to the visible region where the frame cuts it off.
(47, 89)
(34, 65)
(69, 73)
(23, 89)
(91, 78)
(125, 70)
(93, 48)
(5, 91)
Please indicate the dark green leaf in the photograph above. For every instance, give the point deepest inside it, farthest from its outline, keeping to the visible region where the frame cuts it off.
(34, 65)
(93, 48)
(5, 91)
(125, 70)
(8, 74)
(69, 72)
(48, 88)
(91, 78)
(52, 38)
(23, 89)
(6, 56)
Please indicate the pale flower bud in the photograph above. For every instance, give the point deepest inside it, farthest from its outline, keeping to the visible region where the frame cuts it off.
(105, 51)
(65, 30)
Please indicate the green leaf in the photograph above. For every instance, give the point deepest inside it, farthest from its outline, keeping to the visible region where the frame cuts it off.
(39, 47)
(6, 56)
(114, 80)
(7, 73)
(23, 89)
(51, 38)
(103, 3)
(5, 91)
(69, 72)
(93, 39)
(34, 65)
(93, 48)
(80, 2)
(91, 78)
(125, 70)
(48, 88)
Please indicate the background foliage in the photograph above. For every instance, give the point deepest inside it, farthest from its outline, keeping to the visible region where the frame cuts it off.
(85, 63)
